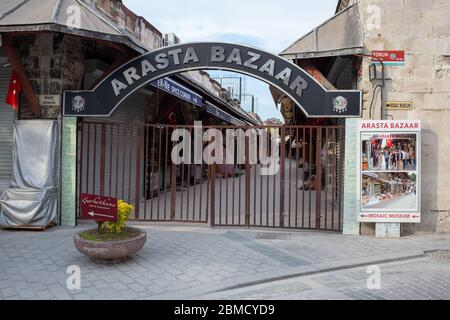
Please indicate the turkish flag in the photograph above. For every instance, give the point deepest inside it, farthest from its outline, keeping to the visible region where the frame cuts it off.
(12, 98)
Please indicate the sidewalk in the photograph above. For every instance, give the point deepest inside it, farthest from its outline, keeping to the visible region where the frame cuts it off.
(187, 262)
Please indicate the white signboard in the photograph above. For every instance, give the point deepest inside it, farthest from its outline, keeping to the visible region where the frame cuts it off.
(389, 171)
(387, 230)
(50, 100)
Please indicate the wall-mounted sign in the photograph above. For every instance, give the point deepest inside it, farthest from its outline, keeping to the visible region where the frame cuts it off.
(98, 208)
(399, 105)
(50, 100)
(307, 93)
(179, 91)
(389, 171)
(389, 57)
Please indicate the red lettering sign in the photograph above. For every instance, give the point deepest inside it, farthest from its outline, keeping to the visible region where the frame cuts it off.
(388, 55)
(98, 208)
(390, 125)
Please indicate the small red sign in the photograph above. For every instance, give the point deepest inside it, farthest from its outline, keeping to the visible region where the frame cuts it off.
(388, 55)
(98, 208)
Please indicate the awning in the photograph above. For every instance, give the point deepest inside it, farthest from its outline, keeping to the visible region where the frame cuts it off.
(376, 177)
(54, 15)
(340, 35)
(212, 109)
(178, 90)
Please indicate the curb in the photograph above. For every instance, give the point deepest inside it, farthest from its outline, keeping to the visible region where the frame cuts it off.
(320, 270)
(288, 273)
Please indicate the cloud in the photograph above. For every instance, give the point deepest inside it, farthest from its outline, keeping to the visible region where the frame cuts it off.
(274, 24)
(268, 25)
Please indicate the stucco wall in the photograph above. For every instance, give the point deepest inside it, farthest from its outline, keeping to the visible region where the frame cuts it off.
(422, 29)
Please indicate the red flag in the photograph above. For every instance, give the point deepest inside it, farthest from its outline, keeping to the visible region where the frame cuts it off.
(12, 98)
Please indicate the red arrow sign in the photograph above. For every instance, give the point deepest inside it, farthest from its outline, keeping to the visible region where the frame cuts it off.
(98, 208)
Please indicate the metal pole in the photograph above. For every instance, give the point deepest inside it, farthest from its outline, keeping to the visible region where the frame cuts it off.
(253, 104)
(383, 99)
(240, 90)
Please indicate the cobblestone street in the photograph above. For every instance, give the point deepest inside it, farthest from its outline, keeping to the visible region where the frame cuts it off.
(187, 263)
(417, 279)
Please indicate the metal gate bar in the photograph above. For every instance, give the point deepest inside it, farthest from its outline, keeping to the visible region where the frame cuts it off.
(134, 163)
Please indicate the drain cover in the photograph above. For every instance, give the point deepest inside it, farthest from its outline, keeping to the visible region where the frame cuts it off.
(442, 255)
(274, 236)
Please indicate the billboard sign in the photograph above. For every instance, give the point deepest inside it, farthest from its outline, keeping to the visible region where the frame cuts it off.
(389, 171)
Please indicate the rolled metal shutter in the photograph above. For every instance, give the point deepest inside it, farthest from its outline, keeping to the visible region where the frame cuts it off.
(347, 80)
(7, 116)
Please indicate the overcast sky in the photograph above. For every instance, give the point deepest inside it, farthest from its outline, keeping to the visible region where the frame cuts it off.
(269, 25)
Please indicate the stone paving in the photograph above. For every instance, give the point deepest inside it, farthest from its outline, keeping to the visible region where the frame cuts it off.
(185, 262)
(418, 279)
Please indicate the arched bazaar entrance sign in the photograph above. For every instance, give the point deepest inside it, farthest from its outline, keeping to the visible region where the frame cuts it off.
(308, 94)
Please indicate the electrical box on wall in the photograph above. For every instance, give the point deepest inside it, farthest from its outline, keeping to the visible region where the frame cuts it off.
(376, 73)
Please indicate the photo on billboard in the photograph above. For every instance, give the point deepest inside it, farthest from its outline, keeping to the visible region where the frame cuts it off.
(388, 152)
(389, 167)
(391, 191)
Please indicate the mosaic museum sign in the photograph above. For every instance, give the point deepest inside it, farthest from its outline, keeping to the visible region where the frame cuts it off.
(389, 171)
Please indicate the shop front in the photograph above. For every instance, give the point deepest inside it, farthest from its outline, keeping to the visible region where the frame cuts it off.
(234, 193)
(49, 55)
(118, 100)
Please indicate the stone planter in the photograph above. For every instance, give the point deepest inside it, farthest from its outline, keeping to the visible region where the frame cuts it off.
(110, 251)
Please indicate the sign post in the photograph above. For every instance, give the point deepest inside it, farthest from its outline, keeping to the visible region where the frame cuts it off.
(98, 208)
(389, 173)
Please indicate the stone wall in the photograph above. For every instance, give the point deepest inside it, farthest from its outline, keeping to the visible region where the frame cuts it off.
(422, 29)
(53, 64)
(124, 18)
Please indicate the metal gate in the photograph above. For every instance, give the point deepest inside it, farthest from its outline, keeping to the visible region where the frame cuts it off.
(135, 163)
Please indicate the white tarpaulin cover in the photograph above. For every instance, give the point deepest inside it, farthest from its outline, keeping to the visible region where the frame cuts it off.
(32, 199)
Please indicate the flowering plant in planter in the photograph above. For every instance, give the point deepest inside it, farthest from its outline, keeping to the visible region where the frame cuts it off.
(112, 242)
(113, 230)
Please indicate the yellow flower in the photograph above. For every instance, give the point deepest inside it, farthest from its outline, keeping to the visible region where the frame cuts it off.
(124, 211)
